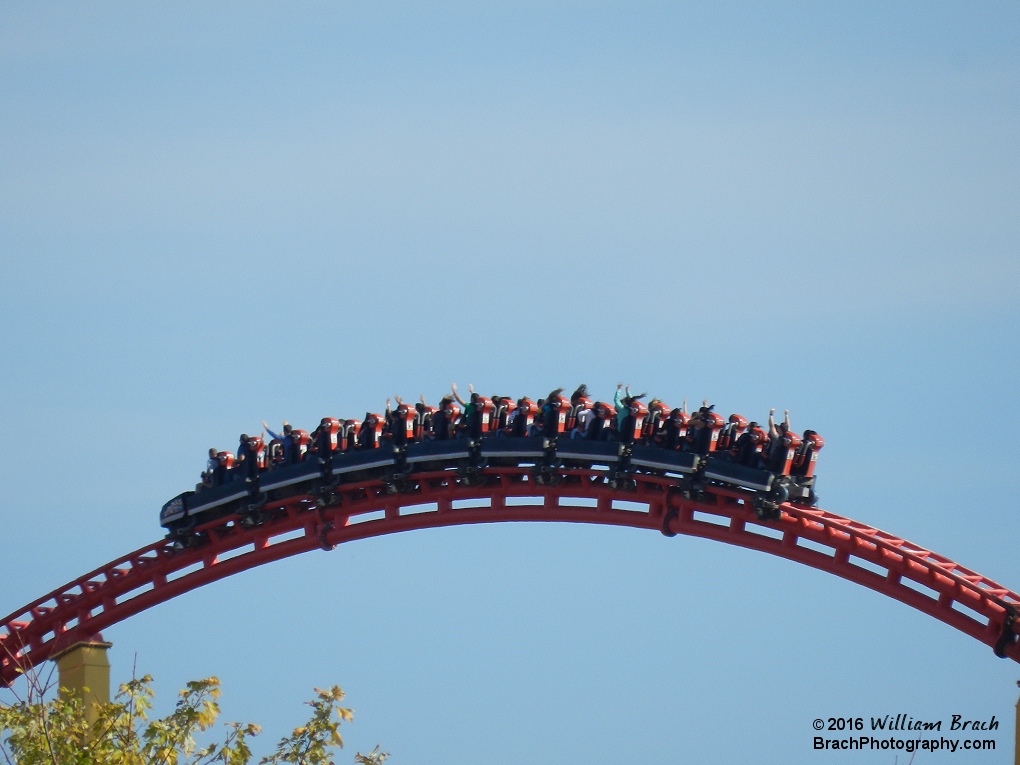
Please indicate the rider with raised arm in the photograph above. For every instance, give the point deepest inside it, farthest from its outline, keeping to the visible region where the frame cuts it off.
(622, 401)
(391, 419)
(776, 433)
(470, 422)
(286, 440)
(401, 423)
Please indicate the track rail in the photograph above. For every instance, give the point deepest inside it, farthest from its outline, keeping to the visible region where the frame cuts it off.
(875, 559)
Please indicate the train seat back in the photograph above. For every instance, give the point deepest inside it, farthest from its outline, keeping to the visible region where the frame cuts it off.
(658, 413)
(300, 440)
(504, 407)
(580, 404)
(715, 424)
(402, 426)
(526, 411)
(559, 410)
(274, 453)
(347, 436)
(257, 449)
(483, 424)
(423, 420)
(329, 430)
(680, 420)
(807, 454)
(634, 422)
(786, 451)
(603, 417)
(370, 434)
(733, 429)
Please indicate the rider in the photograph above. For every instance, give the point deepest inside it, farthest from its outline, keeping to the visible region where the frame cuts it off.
(535, 429)
(580, 393)
(747, 447)
(517, 422)
(622, 401)
(247, 466)
(287, 439)
(580, 406)
(776, 433)
(211, 468)
(323, 440)
(551, 412)
(673, 432)
(471, 421)
(441, 424)
(699, 429)
(584, 417)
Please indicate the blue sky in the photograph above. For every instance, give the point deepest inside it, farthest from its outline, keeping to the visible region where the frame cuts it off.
(214, 216)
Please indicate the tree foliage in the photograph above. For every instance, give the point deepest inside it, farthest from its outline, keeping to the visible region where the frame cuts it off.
(34, 731)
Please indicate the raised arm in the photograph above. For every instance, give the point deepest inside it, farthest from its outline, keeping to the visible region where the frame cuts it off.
(456, 395)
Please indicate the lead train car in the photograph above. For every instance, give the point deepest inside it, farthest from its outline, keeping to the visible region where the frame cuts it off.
(546, 456)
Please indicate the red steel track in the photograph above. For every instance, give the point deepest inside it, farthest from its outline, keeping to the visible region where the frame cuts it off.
(911, 574)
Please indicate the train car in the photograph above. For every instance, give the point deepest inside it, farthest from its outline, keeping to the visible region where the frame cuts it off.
(185, 511)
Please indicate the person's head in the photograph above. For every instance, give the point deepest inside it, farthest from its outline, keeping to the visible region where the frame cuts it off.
(244, 438)
(782, 428)
(212, 451)
(287, 429)
(752, 426)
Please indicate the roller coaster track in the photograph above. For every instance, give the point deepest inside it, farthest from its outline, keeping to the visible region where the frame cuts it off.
(887, 564)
